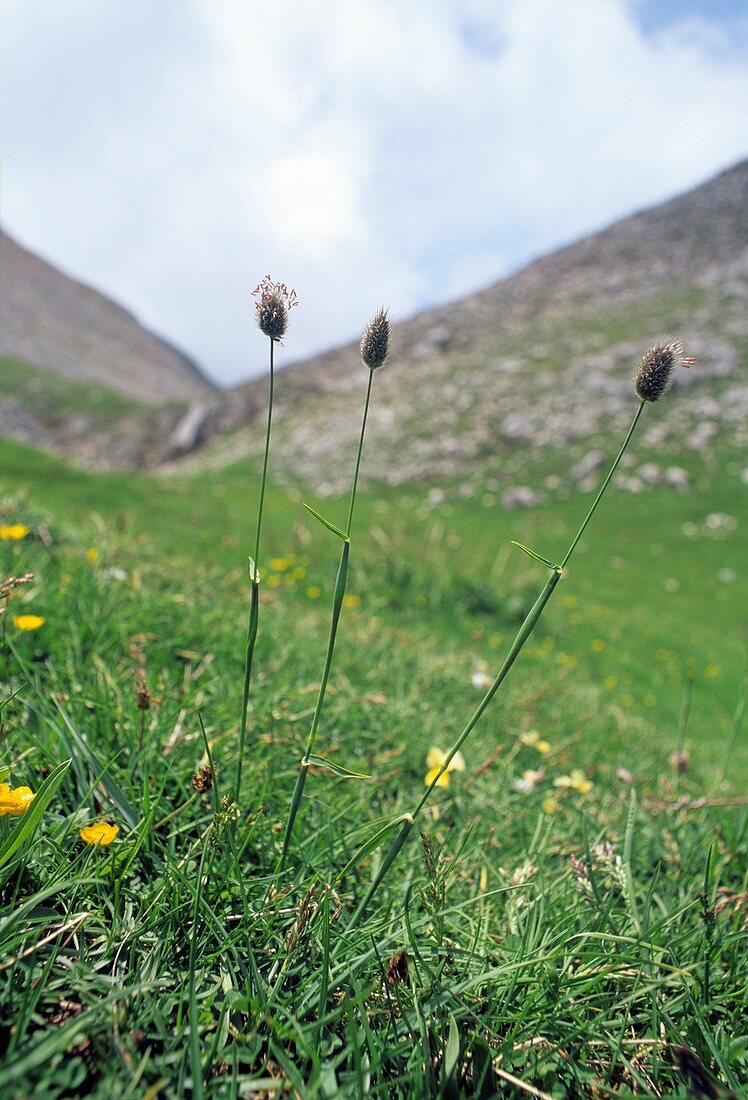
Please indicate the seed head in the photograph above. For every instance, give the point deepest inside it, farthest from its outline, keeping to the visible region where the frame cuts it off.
(273, 303)
(653, 376)
(202, 780)
(375, 341)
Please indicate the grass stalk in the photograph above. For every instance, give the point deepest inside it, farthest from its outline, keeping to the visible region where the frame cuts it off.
(337, 604)
(254, 576)
(521, 637)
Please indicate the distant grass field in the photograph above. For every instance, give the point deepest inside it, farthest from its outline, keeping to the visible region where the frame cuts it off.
(51, 397)
(179, 962)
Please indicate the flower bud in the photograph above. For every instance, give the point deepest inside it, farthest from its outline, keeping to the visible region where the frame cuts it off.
(653, 376)
(375, 341)
(273, 303)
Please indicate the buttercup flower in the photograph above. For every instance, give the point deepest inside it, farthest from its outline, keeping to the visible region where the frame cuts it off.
(435, 761)
(14, 802)
(533, 740)
(577, 781)
(99, 834)
(13, 532)
(28, 622)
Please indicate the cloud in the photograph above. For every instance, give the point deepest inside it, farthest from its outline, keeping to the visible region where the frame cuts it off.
(362, 153)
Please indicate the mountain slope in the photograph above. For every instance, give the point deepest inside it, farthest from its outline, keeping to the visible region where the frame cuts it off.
(51, 321)
(475, 393)
(538, 362)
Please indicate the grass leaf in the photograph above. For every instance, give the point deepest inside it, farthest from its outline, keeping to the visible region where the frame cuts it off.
(33, 816)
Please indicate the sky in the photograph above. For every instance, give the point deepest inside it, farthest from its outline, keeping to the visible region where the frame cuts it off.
(364, 152)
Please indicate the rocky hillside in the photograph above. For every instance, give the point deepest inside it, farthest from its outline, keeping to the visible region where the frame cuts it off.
(538, 362)
(51, 321)
(475, 393)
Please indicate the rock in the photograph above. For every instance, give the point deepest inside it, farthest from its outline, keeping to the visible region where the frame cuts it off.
(587, 465)
(187, 434)
(433, 342)
(521, 496)
(677, 478)
(649, 472)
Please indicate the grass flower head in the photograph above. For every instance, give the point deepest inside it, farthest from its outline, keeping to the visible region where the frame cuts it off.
(274, 300)
(654, 374)
(376, 340)
(99, 834)
(435, 762)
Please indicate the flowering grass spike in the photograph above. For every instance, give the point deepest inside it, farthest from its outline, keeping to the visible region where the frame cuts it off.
(375, 342)
(273, 303)
(654, 375)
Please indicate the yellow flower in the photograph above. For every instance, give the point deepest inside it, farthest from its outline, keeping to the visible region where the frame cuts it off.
(313, 592)
(28, 622)
(273, 580)
(278, 564)
(551, 804)
(534, 741)
(14, 802)
(14, 532)
(577, 781)
(92, 555)
(435, 762)
(99, 834)
(351, 600)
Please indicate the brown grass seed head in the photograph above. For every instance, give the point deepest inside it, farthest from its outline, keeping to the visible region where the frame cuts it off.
(202, 780)
(375, 341)
(654, 375)
(273, 303)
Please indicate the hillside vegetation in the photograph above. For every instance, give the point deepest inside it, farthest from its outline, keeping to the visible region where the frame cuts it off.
(572, 941)
(569, 915)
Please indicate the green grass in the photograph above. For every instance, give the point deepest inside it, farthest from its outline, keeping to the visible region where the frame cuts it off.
(52, 398)
(178, 963)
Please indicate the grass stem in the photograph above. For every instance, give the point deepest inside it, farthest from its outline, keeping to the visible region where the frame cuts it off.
(521, 637)
(254, 602)
(337, 604)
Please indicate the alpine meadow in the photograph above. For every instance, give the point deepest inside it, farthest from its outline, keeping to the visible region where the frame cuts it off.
(376, 727)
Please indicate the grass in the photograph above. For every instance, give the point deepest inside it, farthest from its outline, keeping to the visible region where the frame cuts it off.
(52, 398)
(575, 944)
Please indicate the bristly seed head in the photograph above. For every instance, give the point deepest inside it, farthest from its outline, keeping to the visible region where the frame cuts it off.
(654, 374)
(375, 341)
(273, 303)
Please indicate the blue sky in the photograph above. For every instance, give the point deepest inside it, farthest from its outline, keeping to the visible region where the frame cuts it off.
(361, 151)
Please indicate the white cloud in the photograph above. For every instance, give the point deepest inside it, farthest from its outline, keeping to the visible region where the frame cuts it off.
(361, 152)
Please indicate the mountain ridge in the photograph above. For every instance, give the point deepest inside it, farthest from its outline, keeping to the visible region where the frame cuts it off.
(573, 321)
(541, 358)
(59, 323)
